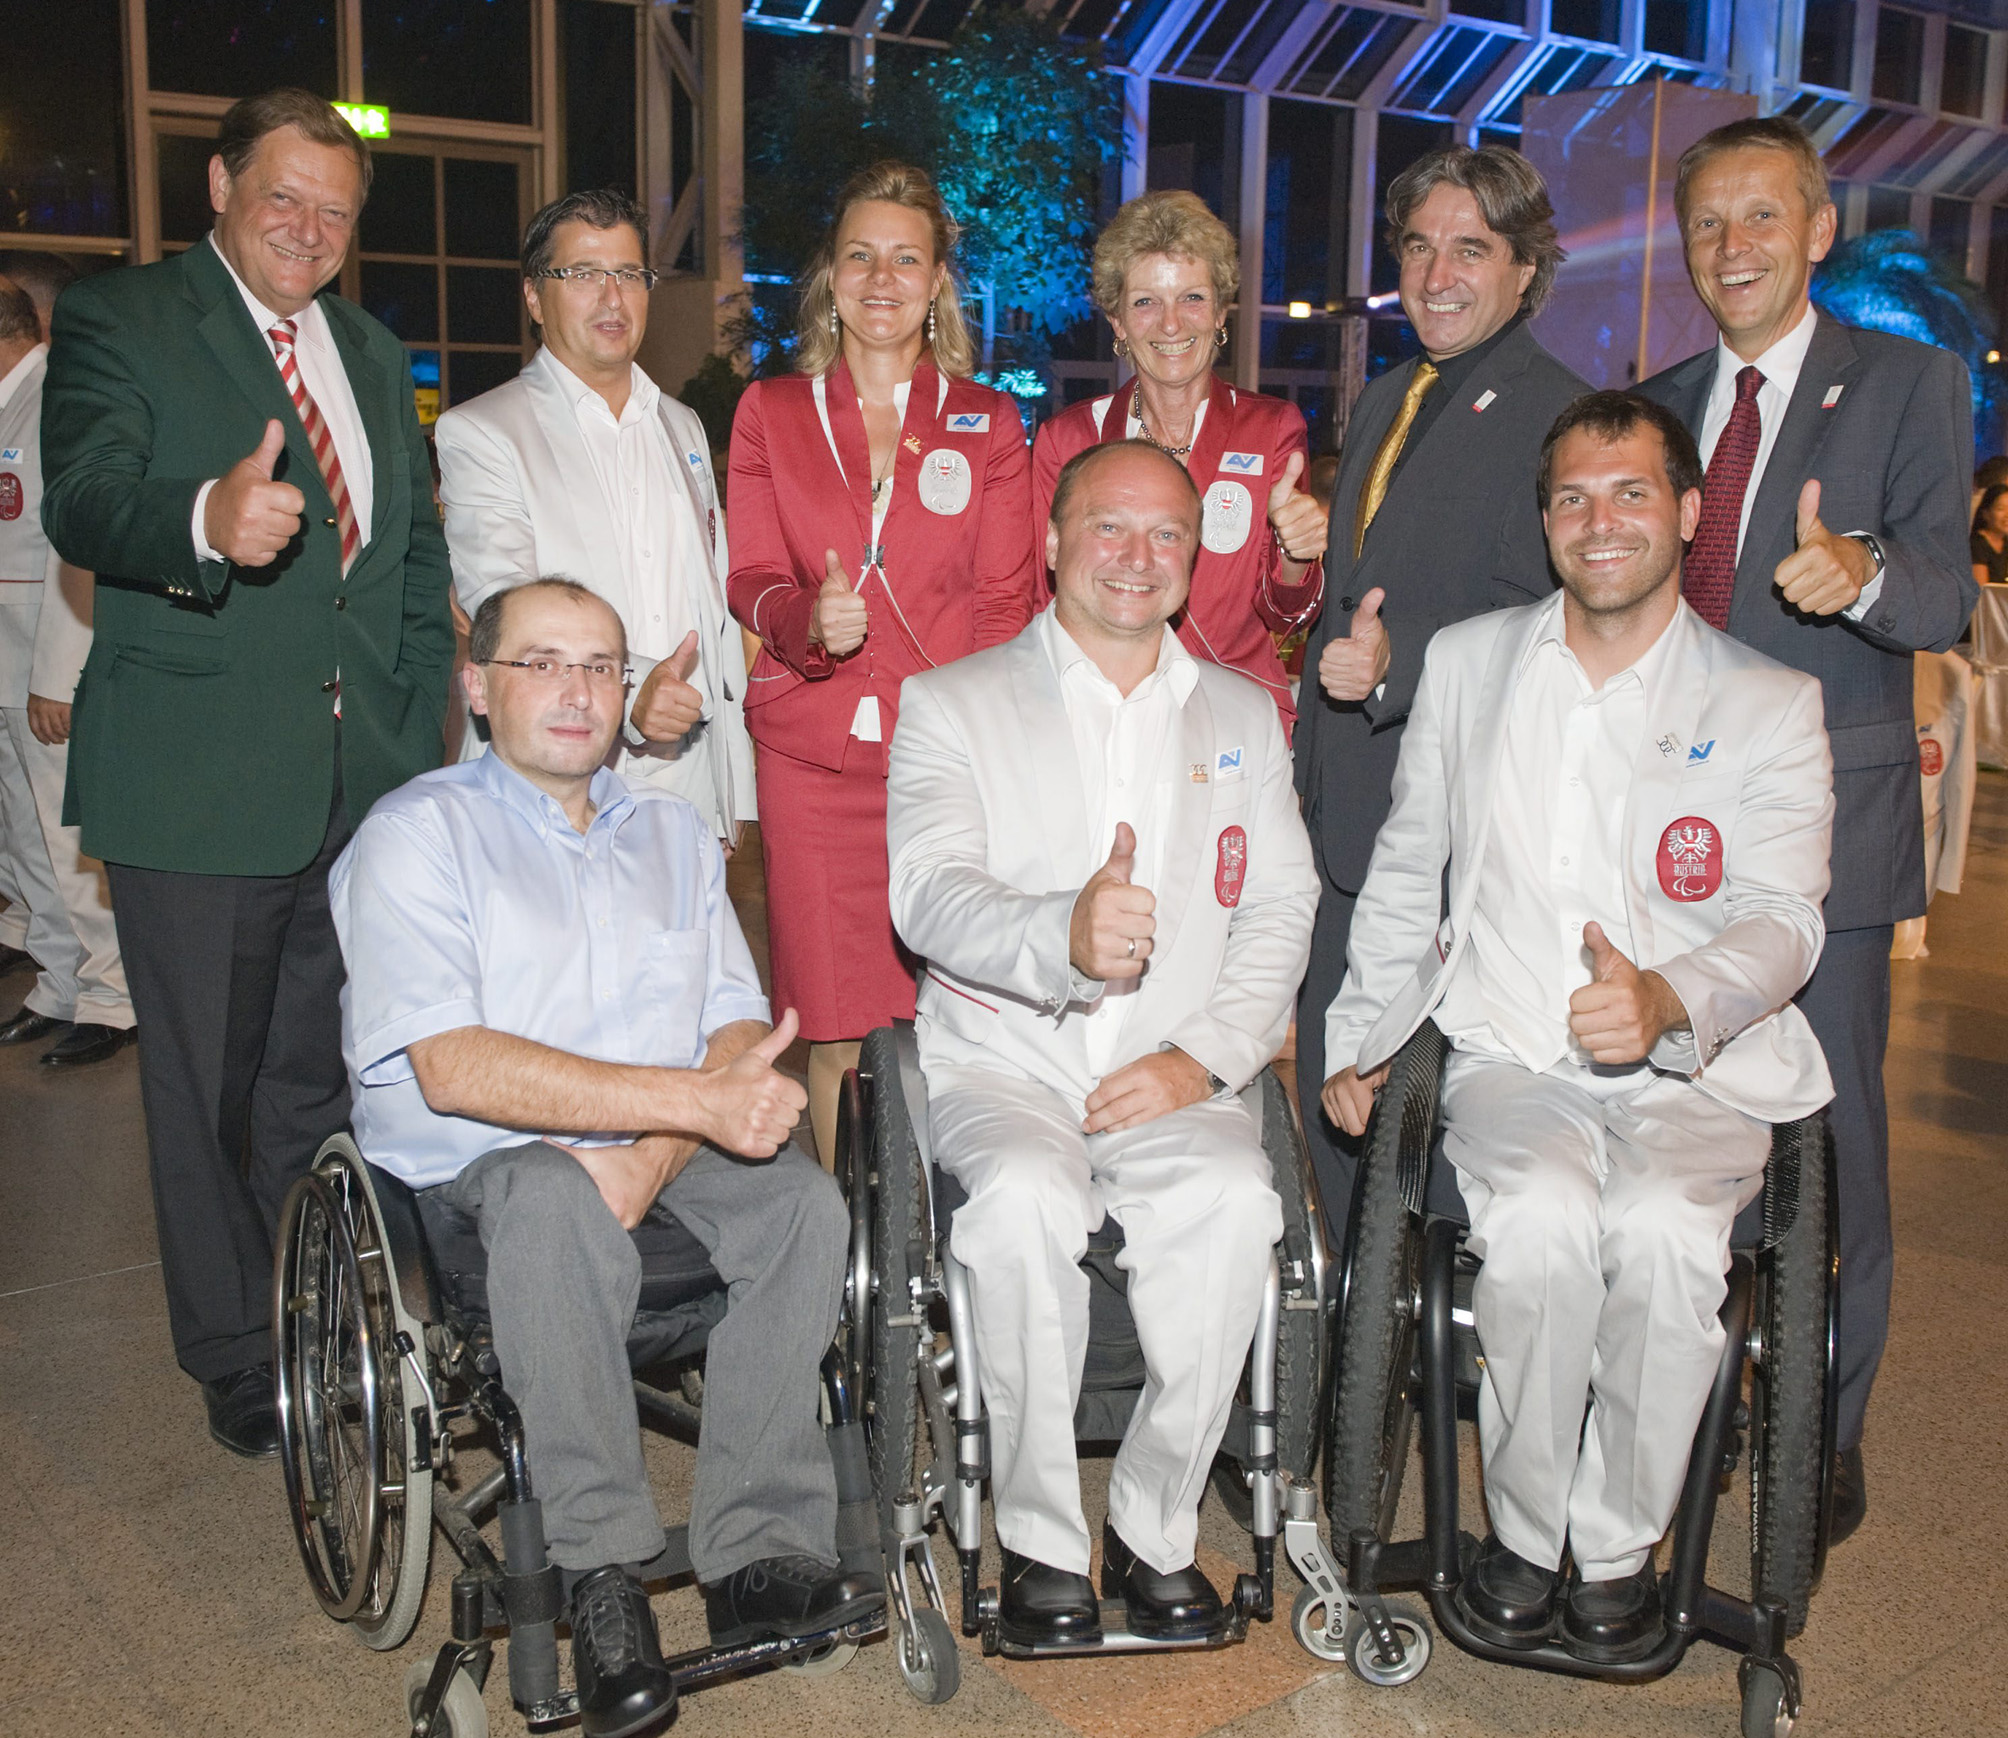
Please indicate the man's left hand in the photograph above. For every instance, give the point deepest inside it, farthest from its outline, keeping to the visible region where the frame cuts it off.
(1141, 1091)
(667, 707)
(49, 720)
(1300, 523)
(630, 1177)
(1826, 573)
(1624, 1013)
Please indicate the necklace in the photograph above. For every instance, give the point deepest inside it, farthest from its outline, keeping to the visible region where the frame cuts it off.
(1136, 410)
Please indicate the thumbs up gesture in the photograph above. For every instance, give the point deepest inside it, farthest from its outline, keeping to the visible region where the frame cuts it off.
(1623, 1012)
(1298, 519)
(666, 706)
(1826, 573)
(1353, 667)
(748, 1106)
(1109, 938)
(840, 619)
(248, 518)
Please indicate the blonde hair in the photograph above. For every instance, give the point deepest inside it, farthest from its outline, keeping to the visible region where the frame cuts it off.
(890, 183)
(1168, 222)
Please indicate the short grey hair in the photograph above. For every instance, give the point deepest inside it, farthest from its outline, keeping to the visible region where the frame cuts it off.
(484, 638)
(1512, 198)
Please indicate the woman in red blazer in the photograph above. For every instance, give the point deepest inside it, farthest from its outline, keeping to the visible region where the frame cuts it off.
(881, 511)
(1166, 271)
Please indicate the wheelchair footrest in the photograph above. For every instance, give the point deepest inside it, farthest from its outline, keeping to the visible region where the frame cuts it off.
(1117, 1638)
(701, 1665)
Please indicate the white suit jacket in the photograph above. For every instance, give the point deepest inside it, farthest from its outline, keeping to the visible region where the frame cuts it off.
(45, 603)
(524, 502)
(988, 837)
(1734, 747)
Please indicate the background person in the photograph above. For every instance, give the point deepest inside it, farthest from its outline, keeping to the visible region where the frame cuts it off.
(1433, 519)
(1096, 849)
(1988, 543)
(237, 457)
(1622, 1036)
(582, 466)
(1833, 538)
(1166, 273)
(79, 998)
(881, 526)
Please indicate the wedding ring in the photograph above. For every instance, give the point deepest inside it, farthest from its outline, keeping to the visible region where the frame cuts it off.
(1132, 951)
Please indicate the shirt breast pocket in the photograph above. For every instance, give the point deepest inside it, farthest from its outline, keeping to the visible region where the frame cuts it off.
(674, 973)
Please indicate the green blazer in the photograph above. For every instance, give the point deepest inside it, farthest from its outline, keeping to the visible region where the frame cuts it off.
(204, 735)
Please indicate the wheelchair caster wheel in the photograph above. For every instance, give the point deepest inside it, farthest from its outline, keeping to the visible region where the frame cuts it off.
(928, 1660)
(824, 1661)
(1767, 1710)
(1364, 1656)
(462, 1713)
(1310, 1619)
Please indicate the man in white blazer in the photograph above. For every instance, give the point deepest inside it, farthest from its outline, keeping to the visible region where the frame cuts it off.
(1635, 811)
(1096, 849)
(582, 467)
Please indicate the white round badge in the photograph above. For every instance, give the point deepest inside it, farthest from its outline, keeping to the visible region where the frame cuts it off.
(944, 481)
(1228, 514)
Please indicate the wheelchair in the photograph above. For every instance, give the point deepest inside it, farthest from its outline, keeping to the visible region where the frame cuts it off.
(908, 1303)
(1405, 1347)
(385, 1361)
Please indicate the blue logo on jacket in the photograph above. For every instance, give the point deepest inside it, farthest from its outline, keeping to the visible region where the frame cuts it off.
(1699, 751)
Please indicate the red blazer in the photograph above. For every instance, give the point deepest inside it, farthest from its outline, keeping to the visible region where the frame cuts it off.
(954, 571)
(1236, 602)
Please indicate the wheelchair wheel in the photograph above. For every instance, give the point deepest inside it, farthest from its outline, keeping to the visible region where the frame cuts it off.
(1367, 1449)
(854, 1177)
(1789, 1376)
(1364, 1656)
(893, 1172)
(1300, 1348)
(462, 1713)
(360, 1495)
(928, 1660)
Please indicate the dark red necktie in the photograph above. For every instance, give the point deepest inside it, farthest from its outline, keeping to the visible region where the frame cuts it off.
(1708, 576)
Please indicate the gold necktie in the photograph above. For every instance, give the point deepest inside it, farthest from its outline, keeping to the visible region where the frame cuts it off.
(1390, 450)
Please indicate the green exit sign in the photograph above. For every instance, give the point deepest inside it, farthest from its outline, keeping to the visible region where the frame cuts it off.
(370, 120)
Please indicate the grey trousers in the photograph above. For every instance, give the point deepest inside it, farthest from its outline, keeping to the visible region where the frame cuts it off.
(563, 1282)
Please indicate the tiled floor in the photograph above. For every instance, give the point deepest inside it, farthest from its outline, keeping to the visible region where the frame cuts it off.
(151, 1585)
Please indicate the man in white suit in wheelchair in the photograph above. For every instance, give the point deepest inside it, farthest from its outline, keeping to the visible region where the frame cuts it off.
(1635, 812)
(1095, 847)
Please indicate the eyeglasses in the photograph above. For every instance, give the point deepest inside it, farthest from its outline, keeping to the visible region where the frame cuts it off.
(550, 670)
(595, 277)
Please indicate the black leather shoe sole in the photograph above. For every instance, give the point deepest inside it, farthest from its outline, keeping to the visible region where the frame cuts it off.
(26, 1027)
(1074, 1625)
(1613, 1653)
(87, 1044)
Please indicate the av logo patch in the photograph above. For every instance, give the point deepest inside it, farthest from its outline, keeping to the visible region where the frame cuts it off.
(1245, 464)
(970, 422)
(1700, 751)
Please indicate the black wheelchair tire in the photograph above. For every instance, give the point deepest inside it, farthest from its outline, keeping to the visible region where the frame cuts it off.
(892, 1170)
(1367, 1441)
(1788, 1399)
(1299, 1366)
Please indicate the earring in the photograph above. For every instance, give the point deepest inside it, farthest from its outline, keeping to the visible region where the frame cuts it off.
(930, 322)
(836, 325)
(1122, 349)
(1220, 337)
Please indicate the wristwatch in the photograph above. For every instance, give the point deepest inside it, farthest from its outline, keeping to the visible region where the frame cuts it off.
(1875, 549)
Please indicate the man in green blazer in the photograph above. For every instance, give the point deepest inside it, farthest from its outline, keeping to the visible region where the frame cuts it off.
(238, 458)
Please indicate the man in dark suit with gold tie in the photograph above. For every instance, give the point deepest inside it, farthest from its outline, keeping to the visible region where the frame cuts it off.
(1434, 519)
(238, 458)
(1833, 537)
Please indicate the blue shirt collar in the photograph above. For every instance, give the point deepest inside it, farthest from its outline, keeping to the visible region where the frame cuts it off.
(612, 799)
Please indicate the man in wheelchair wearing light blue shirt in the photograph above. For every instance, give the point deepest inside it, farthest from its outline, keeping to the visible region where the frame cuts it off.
(552, 1024)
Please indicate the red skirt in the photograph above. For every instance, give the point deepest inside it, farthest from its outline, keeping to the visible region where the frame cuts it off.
(834, 956)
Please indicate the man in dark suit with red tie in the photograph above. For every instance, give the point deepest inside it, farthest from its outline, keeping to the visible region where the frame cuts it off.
(1832, 537)
(238, 458)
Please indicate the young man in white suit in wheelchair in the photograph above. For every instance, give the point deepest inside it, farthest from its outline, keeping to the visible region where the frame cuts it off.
(1635, 814)
(1095, 847)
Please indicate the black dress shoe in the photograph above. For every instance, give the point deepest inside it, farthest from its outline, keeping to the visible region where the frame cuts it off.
(242, 1415)
(1612, 1622)
(88, 1042)
(788, 1596)
(1851, 1496)
(1181, 1606)
(624, 1687)
(12, 959)
(1507, 1600)
(1046, 1607)
(28, 1025)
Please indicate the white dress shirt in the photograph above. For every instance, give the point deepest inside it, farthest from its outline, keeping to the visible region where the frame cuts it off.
(328, 385)
(1554, 859)
(1124, 747)
(1780, 367)
(649, 517)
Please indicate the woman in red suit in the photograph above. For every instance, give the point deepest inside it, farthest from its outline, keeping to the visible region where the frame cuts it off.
(1166, 271)
(881, 524)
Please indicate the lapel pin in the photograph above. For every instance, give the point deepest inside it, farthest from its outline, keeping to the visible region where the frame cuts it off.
(1483, 399)
(1199, 772)
(1833, 398)
(1667, 746)
(911, 443)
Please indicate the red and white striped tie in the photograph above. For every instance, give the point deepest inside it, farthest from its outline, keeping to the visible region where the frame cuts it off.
(318, 438)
